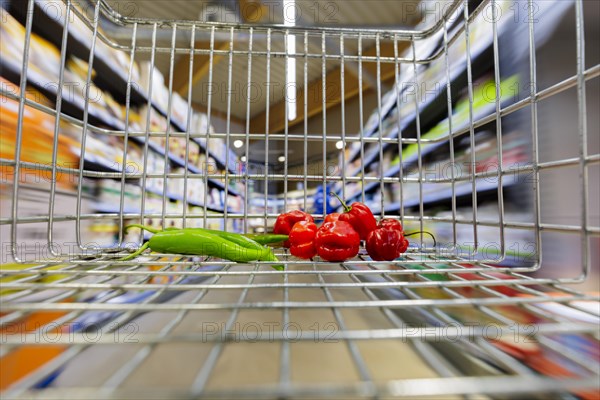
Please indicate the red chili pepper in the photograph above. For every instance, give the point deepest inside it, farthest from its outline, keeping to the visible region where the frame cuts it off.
(337, 241)
(302, 239)
(393, 224)
(404, 246)
(386, 244)
(285, 223)
(359, 216)
(332, 217)
(388, 241)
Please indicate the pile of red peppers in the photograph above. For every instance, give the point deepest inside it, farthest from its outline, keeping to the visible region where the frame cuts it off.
(338, 239)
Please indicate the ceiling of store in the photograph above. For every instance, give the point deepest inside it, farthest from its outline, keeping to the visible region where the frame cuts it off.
(357, 13)
(354, 14)
(347, 13)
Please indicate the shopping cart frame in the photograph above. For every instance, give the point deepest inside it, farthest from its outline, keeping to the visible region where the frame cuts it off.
(92, 261)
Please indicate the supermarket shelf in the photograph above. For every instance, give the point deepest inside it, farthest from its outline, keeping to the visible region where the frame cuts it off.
(481, 51)
(45, 188)
(178, 197)
(216, 183)
(74, 105)
(94, 163)
(396, 169)
(426, 108)
(107, 77)
(372, 185)
(411, 154)
(50, 28)
(445, 194)
(181, 163)
(480, 61)
(110, 208)
(387, 106)
(99, 164)
(232, 167)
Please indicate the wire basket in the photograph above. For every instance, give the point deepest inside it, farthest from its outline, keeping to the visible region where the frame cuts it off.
(469, 316)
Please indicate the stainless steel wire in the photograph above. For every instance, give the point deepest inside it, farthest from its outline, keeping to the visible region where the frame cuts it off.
(470, 323)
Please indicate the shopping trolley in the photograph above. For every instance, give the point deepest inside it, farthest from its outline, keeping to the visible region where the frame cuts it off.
(444, 320)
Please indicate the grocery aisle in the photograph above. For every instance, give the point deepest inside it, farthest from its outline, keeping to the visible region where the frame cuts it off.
(461, 136)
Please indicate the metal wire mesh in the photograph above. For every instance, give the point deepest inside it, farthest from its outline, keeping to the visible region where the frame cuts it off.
(437, 322)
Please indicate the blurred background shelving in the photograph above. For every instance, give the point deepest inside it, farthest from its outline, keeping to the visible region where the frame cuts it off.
(388, 174)
(189, 124)
(105, 109)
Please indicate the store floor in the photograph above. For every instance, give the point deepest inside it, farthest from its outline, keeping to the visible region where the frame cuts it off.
(244, 364)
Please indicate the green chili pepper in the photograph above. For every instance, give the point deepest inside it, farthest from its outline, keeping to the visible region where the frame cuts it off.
(266, 238)
(199, 241)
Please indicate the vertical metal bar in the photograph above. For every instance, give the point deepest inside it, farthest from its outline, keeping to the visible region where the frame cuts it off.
(471, 127)
(268, 84)
(343, 109)
(450, 134)
(498, 130)
(399, 121)
(19, 133)
(248, 117)
(360, 118)
(188, 127)
(418, 125)
(208, 120)
(305, 116)
(582, 129)
(126, 138)
(324, 114)
(534, 135)
(147, 130)
(59, 93)
(168, 130)
(84, 128)
(285, 122)
(380, 130)
(228, 127)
